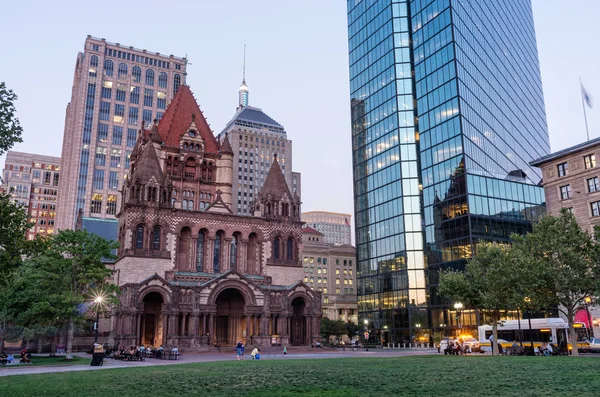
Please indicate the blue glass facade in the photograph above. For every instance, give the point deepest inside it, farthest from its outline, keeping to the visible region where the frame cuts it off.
(447, 112)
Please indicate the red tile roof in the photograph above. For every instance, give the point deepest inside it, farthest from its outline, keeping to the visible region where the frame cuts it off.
(178, 117)
(310, 230)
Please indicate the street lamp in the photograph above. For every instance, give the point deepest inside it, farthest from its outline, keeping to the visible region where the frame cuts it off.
(458, 306)
(587, 301)
(366, 322)
(98, 300)
(527, 301)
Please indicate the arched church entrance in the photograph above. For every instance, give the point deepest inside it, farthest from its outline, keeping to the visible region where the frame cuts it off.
(298, 329)
(151, 332)
(230, 324)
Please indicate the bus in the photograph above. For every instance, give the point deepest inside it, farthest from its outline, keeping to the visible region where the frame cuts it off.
(543, 330)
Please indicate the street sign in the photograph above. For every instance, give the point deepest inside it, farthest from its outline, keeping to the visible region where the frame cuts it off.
(366, 335)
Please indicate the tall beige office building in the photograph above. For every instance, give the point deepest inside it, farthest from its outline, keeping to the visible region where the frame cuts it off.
(116, 88)
(255, 138)
(336, 227)
(33, 181)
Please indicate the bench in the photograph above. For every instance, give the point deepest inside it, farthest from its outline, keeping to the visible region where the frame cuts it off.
(173, 356)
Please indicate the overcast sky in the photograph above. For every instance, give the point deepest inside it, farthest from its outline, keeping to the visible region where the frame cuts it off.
(297, 69)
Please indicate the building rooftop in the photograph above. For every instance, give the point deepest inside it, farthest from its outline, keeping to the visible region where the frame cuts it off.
(565, 152)
(254, 118)
(310, 230)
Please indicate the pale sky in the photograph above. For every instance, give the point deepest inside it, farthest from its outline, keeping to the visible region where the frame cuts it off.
(297, 69)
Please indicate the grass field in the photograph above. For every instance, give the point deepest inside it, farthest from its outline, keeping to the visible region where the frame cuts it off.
(424, 376)
(60, 360)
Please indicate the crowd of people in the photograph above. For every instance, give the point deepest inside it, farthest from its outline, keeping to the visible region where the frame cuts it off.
(139, 353)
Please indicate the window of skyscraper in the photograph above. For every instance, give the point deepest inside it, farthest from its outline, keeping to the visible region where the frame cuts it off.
(96, 205)
(108, 68)
(104, 111)
(162, 80)
(133, 115)
(134, 96)
(149, 77)
(136, 73)
(122, 72)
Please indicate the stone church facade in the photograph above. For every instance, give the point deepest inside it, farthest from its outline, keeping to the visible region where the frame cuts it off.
(192, 273)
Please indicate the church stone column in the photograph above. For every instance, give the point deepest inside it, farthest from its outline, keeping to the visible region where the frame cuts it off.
(225, 263)
(211, 321)
(194, 250)
(243, 256)
(210, 249)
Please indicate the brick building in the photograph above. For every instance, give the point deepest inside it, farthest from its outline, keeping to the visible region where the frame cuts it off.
(192, 273)
(571, 179)
(33, 180)
(329, 269)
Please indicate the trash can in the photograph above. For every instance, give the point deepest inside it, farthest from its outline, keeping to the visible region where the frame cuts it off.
(97, 360)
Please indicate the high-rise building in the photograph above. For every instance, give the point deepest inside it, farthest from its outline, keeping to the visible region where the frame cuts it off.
(33, 181)
(116, 88)
(447, 113)
(255, 138)
(335, 227)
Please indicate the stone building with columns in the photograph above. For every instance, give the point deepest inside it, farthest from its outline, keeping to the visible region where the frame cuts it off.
(192, 273)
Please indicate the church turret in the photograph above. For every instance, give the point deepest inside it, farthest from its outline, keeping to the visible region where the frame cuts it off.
(275, 200)
(146, 182)
(225, 171)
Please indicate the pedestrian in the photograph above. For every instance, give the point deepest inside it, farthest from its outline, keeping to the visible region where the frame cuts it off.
(238, 350)
(492, 343)
(254, 353)
(285, 350)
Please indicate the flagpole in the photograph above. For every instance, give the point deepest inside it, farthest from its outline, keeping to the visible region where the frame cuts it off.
(587, 131)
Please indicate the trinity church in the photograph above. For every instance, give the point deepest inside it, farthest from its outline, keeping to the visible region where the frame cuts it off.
(192, 273)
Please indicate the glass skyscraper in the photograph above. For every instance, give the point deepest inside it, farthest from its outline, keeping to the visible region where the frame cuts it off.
(447, 112)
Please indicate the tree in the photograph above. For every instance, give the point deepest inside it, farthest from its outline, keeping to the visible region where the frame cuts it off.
(332, 328)
(14, 224)
(352, 329)
(50, 289)
(10, 128)
(490, 283)
(564, 263)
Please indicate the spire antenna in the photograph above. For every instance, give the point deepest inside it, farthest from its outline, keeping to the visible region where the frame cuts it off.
(244, 92)
(244, 72)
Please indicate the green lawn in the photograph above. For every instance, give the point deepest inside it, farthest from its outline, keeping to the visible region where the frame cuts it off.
(60, 360)
(424, 376)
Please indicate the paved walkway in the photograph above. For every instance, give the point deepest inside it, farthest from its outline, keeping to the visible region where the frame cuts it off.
(208, 357)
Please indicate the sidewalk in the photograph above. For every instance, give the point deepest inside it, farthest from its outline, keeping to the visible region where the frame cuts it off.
(207, 357)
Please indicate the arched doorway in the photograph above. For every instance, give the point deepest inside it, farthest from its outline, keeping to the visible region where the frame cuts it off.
(151, 332)
(298, 329)
(230, 324)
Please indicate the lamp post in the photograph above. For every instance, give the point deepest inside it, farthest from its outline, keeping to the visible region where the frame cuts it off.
(527, 301)
(366, 322)
(98, 301)
(587, 301)
(520, 330)
(458, 306)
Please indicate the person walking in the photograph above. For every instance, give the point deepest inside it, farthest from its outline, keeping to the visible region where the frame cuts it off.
(285, 350)
(238, 350)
